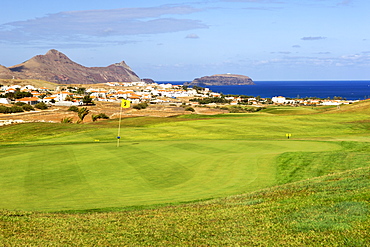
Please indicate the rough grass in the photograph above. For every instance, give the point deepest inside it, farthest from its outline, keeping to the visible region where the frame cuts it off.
(326, 211)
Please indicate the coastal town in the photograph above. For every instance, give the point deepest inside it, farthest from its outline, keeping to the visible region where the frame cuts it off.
(139, 92)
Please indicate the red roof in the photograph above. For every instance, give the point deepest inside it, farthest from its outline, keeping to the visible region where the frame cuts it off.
(28, 99)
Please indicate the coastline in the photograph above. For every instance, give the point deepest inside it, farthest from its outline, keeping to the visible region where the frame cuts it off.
(348, 89)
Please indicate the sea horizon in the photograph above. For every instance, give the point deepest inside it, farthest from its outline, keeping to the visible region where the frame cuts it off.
(347, 89)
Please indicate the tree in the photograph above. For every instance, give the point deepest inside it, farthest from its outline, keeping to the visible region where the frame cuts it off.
(69, 98)
(82, 112)
(87, 100)
(81, 90)
(18, 94)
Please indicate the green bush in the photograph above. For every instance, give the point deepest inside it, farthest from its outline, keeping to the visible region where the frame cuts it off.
(73, 108)
(140, 106)
(26, 107)
(3, 109)
(41, 106)
(189, 108)
(87, 100)
(66, 120)
(101, 115)
(12, 109)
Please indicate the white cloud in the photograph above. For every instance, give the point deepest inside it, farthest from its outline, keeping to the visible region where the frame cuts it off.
(254, 1)
(313, 38)
(192, 36)
(100, 24)
(345, 2)
(357, 60)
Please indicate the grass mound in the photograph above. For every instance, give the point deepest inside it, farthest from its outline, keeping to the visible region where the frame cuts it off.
(332, 210)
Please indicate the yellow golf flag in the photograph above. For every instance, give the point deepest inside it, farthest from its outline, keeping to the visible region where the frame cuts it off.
(125, 103)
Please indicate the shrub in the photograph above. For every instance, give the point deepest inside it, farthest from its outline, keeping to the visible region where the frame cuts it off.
(189, 108)
(140, 106)
(88, 100)
(41, 106)
(66, 120)
(101, 115)
(27, 107)
(73, 108)
(82, 112)
(240, 109)
(3, 109)
(14, 109)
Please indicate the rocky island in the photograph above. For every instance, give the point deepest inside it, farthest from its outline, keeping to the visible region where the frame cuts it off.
(222, 80)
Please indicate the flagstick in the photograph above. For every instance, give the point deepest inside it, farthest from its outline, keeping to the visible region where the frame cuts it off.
(119, 127)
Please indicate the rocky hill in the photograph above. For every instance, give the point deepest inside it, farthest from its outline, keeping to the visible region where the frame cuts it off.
(5, 73)
(222, 80)
(56, 67)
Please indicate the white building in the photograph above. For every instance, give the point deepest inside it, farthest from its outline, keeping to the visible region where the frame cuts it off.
(278, 99)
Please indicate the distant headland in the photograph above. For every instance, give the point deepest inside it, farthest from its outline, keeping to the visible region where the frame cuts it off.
(221, 80)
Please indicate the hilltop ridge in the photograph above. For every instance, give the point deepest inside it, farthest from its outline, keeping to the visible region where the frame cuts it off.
(56, 67)
(222, 80)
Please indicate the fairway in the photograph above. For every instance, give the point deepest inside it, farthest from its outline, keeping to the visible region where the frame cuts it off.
(57, 167)
(100, 175)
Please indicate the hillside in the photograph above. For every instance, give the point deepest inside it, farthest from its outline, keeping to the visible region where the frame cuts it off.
(25, 82)
(331, 210)
(5, 73)
(56, 67)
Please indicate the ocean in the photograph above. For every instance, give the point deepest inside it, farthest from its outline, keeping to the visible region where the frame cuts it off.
(349, 89)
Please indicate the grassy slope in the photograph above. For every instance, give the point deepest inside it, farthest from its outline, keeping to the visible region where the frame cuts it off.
(326, 211)
(70, 177)
(331, 211)
(25, 82)
(163, 162)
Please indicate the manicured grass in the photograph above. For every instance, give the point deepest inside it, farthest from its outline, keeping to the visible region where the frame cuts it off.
(69, 168)
(100, 175)
(170, 160)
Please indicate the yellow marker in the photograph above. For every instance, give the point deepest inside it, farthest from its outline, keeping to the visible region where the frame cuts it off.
(125, 103)
(288, 135)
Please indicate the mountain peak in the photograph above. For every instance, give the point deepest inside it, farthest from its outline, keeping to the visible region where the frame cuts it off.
(56, 67)
(53, 51)
(55, 54)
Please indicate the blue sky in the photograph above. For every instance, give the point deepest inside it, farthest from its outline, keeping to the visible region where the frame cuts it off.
(178, 40)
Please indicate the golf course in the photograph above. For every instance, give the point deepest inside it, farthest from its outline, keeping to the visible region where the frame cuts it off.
(194, 180)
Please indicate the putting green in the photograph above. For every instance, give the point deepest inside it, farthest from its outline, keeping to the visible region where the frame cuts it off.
(100, 175)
